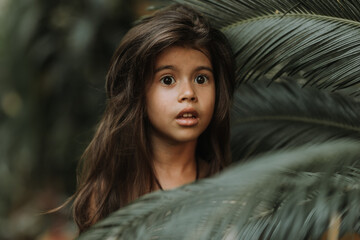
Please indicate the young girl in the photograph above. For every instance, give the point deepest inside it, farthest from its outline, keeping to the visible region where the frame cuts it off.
(166, 122)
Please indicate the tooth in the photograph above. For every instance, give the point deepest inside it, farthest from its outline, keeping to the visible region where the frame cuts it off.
(188, 115)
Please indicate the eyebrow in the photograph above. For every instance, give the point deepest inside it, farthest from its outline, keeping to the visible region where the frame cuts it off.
(173, 68)
(164, 67)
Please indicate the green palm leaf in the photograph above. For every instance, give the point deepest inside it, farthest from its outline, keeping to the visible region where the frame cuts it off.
(284, 115)
(226, 12)
(320, 50)
(310, 42)
(289, 195)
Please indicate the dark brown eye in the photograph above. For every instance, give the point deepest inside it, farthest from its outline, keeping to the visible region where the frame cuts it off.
(167, 80)
(201, 79)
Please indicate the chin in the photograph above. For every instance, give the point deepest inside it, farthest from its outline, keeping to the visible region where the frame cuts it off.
(187, 138)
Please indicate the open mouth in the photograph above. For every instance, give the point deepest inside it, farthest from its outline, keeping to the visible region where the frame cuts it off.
(187, 114)
(187, 118)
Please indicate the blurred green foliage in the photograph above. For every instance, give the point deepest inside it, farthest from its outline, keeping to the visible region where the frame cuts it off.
(53, 60)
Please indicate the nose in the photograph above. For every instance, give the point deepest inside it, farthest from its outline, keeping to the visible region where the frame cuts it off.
(187, 92)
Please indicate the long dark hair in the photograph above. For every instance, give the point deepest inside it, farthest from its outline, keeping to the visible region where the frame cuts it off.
(116, 167)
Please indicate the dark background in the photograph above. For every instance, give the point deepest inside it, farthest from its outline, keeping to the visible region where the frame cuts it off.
(54, 56)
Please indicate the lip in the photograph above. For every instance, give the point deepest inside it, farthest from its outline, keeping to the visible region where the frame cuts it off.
(187, 122)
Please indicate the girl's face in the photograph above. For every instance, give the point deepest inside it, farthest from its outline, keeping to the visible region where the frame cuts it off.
(181, 96)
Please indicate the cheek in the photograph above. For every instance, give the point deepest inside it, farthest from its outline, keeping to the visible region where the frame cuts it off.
(210, 97)
(157, 103)
(208, 103)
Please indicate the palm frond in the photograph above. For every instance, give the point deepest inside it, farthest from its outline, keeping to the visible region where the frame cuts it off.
(322, 51)
(284, 115)
(317, 41)
(288, 195)
(226, 12)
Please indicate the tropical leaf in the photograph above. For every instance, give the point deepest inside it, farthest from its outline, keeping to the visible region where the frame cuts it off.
(284, 115)
(322, 51)
(317, 44)
(226, 12)
(287, 195)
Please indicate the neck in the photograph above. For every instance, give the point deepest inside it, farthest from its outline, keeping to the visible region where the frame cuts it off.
(174, 163)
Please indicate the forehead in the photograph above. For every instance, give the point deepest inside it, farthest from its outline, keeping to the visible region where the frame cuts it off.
(180, 55)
